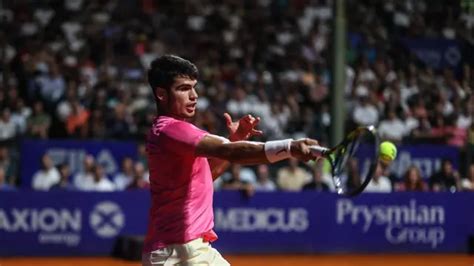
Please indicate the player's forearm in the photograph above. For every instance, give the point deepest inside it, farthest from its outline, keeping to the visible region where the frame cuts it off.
(242, 152)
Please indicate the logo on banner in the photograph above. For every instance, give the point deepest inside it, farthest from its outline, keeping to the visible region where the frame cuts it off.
(411, 223)
(107, 219)
(263, 220)
(452, 55)
(51, 225)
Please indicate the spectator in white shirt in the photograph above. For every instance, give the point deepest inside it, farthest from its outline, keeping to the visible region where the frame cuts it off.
(380, 182)
(124, 177)
(365, 113)
(47, 176)
(392, 128)
(100, 182)
(8, 128)
(264, 181)
(467, 183)
(84, 178)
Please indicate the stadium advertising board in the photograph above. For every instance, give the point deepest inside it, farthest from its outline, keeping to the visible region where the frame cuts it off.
(436, 53)
(310, 222)
(80, 223)
(68, 223)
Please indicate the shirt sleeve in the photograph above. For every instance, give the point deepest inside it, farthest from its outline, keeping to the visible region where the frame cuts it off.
(182, 137)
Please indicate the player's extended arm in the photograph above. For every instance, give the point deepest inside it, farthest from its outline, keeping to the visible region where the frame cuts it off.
(251, 152)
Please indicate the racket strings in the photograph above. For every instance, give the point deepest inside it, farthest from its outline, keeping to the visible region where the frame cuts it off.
(343, 158)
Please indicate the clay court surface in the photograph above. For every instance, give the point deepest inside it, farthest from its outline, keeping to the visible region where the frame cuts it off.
(273, 260)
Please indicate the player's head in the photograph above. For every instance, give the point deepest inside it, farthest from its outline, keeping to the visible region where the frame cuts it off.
(173, 80)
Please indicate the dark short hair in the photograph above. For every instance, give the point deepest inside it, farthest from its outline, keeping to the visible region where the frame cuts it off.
(166, 68)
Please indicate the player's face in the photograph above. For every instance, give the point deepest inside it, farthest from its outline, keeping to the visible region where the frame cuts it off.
(183, 98)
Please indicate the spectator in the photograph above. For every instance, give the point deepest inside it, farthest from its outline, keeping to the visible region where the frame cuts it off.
(8, 162)
(63, 184)
(141, 150)
(4, 186)
(121, 124)
(392, 128)
(77, 121)
(353, 177)
(140, 179)
(292, 177)
(8, 128)
(100, 181)
(264, 181)
(380, 182)
(446, 179)
(85, 176)
(126, 175)
(365, 113)
(412, 181)
(51, 85)
(47, 176)
(317, 184)
(234, 182)
(39, 122)
(19, 116)
(467, 183)
(97, 127)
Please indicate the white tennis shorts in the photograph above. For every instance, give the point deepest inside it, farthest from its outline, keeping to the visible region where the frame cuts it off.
(195, 252)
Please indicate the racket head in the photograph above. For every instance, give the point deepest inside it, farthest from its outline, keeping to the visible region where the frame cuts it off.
(354, 161)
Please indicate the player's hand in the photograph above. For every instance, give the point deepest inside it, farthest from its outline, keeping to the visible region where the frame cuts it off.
(301, 151)
(242, 129)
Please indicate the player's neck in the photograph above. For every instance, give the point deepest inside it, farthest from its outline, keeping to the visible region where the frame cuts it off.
(177, 117)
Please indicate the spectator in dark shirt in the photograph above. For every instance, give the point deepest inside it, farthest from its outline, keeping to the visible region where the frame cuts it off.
(236, 183)
(447, 179)
(139, 180)
(317, 183)
(64, 183)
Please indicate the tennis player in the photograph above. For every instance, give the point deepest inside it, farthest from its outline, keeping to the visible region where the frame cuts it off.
(183, 162)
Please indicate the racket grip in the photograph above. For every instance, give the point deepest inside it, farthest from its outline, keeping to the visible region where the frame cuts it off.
(318, 150)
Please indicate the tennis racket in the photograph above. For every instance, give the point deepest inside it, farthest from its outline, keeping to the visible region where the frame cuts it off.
(350, 176)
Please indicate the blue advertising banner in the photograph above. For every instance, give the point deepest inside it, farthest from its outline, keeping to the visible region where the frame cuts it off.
(69, 223)
(81, 223)
(107, 153)
(310, 222)
(436, 53)
(427, 158)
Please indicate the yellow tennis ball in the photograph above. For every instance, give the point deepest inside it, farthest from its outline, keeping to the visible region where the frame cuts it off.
(388, 151)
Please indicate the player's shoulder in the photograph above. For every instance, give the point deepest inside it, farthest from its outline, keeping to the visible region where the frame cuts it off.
(169, 125)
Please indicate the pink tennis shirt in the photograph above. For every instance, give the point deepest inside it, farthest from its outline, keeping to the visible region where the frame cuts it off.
(180, 183)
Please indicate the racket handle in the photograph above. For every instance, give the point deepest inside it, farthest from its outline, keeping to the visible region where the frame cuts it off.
(318, 150)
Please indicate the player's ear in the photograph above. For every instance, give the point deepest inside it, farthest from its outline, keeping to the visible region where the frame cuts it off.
(161, 94)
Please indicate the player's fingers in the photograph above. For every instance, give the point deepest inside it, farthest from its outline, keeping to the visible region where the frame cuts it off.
(257, 132)
(256, 121)
(311, 142)
(228, 118)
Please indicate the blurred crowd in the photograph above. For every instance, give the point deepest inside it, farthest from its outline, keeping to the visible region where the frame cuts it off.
(290, 176)
(75, 69)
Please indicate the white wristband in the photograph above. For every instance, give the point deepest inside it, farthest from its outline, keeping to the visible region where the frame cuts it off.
(278, 150)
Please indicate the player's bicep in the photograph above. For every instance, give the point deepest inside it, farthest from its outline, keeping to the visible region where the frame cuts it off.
(211, 146)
